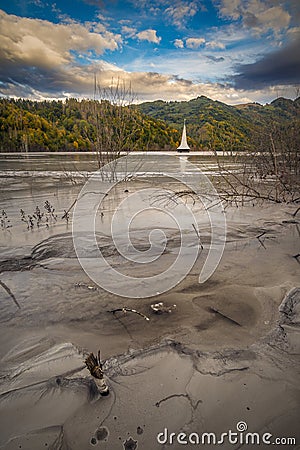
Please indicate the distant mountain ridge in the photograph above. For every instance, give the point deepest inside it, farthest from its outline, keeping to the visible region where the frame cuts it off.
(216, 125)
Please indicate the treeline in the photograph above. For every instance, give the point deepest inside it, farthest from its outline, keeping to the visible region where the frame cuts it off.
(90, 125)
(74, 125)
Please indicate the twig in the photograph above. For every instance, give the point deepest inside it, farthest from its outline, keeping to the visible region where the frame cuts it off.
(68, 210)
(10, 293)
(198, 236)
(125, 310)
(296, 257)
(157, 404)
(295, 213)
(73, 204)
(261, 242)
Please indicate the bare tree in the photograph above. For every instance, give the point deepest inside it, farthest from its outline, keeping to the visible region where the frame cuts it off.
(269, 172)
(118, 123)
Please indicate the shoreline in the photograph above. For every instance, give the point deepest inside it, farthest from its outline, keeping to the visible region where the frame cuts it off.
(158, 152)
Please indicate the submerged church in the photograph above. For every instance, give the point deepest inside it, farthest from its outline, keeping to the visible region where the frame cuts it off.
(183, 147)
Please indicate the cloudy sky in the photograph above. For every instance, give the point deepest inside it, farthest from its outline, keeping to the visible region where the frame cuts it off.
(234, 51)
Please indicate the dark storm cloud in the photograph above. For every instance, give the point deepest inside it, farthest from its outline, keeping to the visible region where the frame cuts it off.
(17, 78)
(278, 68)
(215, 58)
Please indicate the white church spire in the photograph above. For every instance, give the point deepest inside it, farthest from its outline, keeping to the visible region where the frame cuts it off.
(183, 145)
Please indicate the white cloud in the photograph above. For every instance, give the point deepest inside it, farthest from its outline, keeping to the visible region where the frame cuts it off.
(194, 42)
(179, 43)
(181, 11)
(35, 42)
(41, 59)
(294, 31)
(230, 8)
(149, 35)
(215, 45)
(152, 86)
(128, 31)
(273, 18)
(261, 16)
(147, 86)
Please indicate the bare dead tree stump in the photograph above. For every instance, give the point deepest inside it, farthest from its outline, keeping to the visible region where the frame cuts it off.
(95, 368)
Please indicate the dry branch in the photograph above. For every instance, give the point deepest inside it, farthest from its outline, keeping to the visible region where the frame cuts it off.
(125, 310)
(295, 213)
(10, 294)
(68, 210)
(260, 241)
(198, 236)
(296, 257)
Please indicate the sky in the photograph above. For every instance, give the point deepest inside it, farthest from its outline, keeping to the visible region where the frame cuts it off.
(234, 51)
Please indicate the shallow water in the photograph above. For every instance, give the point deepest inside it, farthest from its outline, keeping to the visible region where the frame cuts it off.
(207, 369)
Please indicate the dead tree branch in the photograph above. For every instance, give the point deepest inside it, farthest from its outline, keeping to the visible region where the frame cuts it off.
(297, 257)
(296, 212)
(198, 236)
(125, 310)
(69, 209)
(10, 293)
(259, 240)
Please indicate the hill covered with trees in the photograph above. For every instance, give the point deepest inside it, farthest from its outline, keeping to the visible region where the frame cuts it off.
(216, 126)
(75, 125)
(84, 125)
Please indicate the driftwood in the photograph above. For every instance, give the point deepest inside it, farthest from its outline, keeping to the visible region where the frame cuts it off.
(125, 310)
(95, 368)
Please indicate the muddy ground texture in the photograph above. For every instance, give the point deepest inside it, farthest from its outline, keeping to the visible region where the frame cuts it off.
(229, 352)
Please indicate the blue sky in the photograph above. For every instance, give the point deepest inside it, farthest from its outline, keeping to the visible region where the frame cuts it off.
(235, 51)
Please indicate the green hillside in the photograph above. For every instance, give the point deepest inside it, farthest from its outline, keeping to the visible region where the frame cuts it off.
(74, 125)
(216, 126)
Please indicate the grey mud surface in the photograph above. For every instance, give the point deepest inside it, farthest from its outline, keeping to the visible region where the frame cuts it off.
(228, 353)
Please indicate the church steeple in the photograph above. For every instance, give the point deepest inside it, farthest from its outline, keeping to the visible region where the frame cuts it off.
(183, 147)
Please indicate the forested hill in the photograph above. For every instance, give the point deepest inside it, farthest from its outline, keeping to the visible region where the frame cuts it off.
(73, 125)
(217, 126)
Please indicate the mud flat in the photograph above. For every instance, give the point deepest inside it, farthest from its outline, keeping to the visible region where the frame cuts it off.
(228, 353)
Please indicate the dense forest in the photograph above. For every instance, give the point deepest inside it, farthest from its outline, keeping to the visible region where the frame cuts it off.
(217, 126)
(76, 125)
